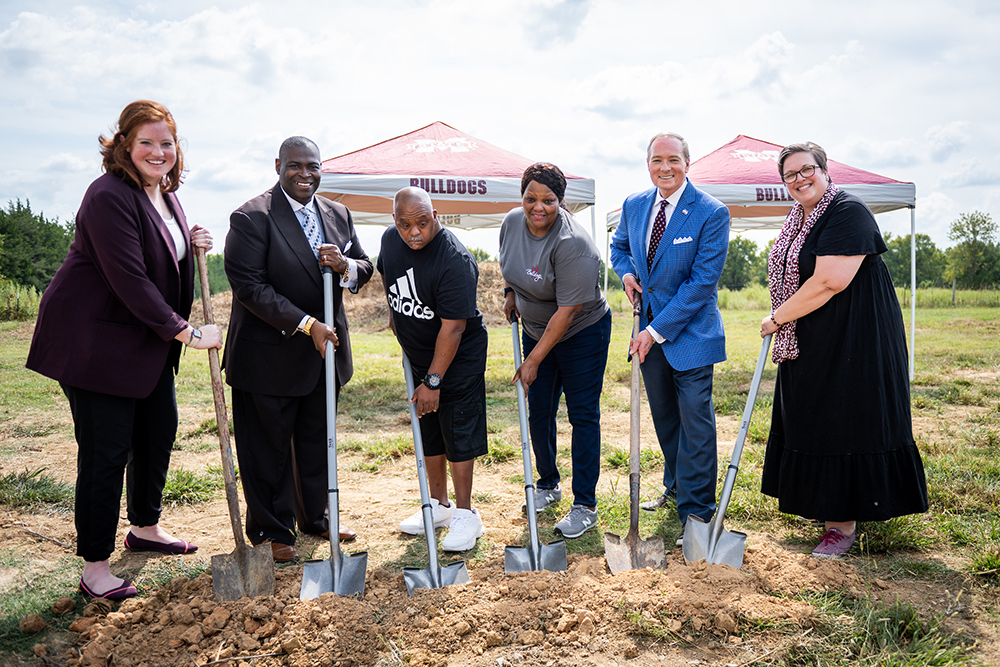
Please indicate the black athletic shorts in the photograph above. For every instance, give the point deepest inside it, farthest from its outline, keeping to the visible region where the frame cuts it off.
(458, 428)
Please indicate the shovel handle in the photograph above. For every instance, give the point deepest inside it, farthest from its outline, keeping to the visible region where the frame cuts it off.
(221, 416)
(635, 409)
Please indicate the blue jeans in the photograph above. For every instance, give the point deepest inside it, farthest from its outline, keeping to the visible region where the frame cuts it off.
(574, 367)
(684, 418)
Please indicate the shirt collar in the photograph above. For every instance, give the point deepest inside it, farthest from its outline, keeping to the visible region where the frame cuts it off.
(673, 199)
(296, 205)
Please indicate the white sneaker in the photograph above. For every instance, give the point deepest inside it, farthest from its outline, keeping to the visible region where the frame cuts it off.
(466, 528)
(415, 524)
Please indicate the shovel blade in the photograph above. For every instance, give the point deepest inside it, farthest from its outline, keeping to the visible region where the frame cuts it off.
(232, 580)
(551, 557)
(727, 549)
(447, 575)
(633, 553)
(318, 577)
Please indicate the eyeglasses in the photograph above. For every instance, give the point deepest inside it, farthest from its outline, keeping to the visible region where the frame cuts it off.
(805, 172)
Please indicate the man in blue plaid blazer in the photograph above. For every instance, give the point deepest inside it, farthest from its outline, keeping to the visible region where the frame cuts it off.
(682, 335)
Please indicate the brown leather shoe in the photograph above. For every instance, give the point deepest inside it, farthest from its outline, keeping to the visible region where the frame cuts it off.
(346, 534)
(283, 553)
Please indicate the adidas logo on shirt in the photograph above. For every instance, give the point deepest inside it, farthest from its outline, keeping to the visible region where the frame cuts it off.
(404, 300)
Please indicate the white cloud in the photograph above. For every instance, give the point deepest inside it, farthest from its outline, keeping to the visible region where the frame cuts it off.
(971, 172)
(948, 139)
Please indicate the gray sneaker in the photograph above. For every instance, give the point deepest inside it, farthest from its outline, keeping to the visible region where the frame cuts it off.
(544, 498)
(577, 522)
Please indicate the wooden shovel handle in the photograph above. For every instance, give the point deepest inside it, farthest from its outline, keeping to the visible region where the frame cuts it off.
(221, 416)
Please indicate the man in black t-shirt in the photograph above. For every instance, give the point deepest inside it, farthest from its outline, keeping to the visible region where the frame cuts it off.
(431, 281)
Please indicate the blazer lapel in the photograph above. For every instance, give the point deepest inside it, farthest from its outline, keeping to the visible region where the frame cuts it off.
(678, 219)
(161, 227)
(288, 226)
(639, 233)
(331, 232)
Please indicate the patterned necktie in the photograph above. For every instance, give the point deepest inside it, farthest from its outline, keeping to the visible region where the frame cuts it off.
(311, 230)
(659, 226)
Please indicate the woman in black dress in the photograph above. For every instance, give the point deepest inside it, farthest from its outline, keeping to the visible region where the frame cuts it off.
(841, 445)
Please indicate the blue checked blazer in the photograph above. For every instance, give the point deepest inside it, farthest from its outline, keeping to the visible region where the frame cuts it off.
(681, 286)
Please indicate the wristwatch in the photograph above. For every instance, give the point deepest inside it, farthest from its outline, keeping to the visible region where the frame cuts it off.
(432, 381)
(195, 334)
(507, 290)
(307, 327)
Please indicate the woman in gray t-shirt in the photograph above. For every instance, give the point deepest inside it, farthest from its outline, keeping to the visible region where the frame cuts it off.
(551, 271)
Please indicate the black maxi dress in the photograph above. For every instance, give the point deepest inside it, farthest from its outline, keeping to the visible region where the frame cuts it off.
(841, 444)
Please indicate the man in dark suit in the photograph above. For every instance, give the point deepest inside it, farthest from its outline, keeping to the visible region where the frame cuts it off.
(275, 248)
(671, 246)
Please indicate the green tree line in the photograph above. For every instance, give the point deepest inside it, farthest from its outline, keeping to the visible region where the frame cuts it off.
(972, 263)
(32, 248)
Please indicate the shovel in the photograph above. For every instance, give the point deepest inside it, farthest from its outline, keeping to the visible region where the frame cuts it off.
(710, 540)
(633, 553)
(434, 575)
(339, 574)
(248, 571)
(535, 556)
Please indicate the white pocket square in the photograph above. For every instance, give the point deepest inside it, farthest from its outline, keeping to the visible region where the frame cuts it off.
(683, 239)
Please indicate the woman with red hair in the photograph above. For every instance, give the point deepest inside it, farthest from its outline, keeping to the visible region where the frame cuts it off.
(110, 330)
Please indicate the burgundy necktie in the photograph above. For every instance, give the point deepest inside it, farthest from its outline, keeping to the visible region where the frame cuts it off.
(659, 226)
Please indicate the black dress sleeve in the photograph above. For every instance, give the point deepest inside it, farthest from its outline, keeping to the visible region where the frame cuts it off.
(849, 229)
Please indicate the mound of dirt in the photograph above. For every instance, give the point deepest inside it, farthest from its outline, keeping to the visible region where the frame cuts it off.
(583, 615)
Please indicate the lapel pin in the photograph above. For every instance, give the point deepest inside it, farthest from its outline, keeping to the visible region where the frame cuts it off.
(685, 211)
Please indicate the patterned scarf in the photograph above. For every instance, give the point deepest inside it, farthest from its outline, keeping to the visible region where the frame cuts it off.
(783, 269)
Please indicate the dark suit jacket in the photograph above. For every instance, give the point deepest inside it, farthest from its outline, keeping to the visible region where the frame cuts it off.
(107, 321)
(276, 280)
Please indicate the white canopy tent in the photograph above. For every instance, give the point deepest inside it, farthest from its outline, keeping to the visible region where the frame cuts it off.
(743, 175)
(473, 184)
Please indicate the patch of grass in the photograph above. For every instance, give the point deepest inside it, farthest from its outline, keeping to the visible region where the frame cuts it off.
(206, 428)
(501, 450)
(904, 533)
(865, 632)
(40, 588)
(184, 487)
(986, 563)
(35, 489)
(650, 459)
(160, 572)
(29, 430)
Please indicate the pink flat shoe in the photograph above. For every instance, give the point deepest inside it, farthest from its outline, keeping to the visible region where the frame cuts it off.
(126, 590)
(133, 543)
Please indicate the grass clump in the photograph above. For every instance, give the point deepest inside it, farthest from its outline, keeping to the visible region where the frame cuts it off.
(42, 587)
(184, 487)
(501, 450)
(35, 489)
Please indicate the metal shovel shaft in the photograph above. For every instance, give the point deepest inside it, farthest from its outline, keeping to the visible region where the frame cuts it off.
(346, 574)
(715, 544)
(539, 557)
(633, 552)
(433, 576)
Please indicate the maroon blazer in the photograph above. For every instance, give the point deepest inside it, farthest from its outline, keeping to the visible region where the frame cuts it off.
(107, 321)
(276, 280)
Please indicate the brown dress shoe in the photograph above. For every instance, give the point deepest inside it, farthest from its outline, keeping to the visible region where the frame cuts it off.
(346, 534)
(283, 553)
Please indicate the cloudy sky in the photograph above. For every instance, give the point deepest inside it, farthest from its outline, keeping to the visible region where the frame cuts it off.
(905, 89)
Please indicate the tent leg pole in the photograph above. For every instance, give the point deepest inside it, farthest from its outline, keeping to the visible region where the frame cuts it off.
(913, 292)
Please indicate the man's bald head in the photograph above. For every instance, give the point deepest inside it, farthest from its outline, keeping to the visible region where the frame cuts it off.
(415, 217)
(411, 196)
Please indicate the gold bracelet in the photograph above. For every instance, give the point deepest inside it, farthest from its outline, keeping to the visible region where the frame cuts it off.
(307, 327)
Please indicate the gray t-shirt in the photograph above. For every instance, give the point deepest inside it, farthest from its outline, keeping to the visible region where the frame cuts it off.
(561, 268)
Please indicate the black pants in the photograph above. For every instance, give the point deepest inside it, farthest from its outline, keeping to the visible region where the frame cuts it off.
(281, 447)
(115, 434)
